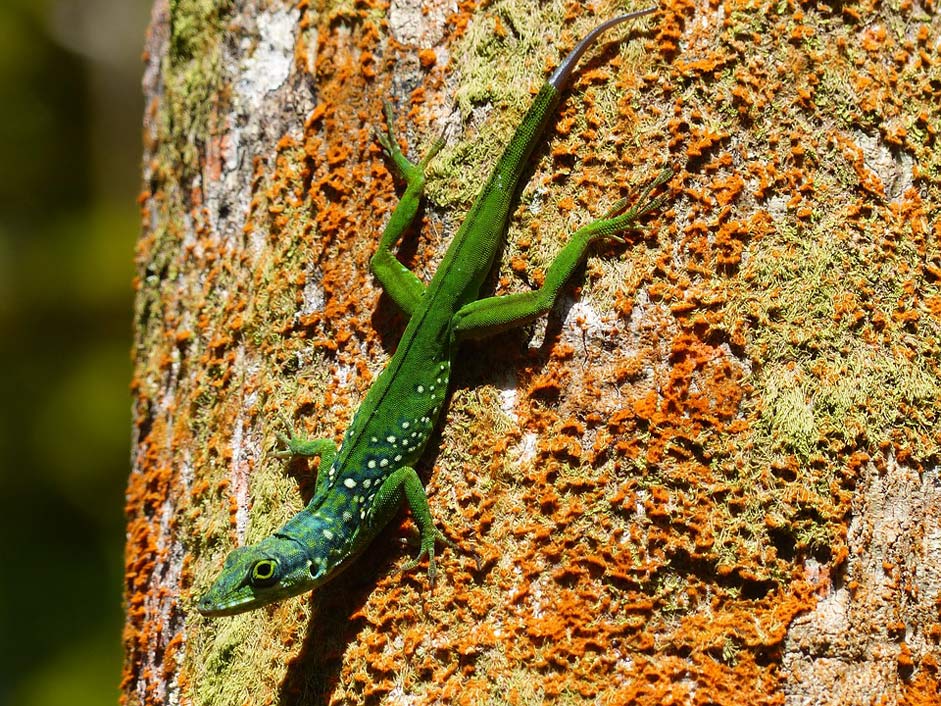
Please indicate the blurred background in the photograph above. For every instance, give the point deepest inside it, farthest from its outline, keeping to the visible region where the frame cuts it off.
(70, 115)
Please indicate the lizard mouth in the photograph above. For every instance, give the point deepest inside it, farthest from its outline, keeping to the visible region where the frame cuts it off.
(214, 608)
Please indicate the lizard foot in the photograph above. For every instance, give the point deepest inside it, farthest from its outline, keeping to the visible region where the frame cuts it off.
(294, 446)
(428, 541)
(412, 173)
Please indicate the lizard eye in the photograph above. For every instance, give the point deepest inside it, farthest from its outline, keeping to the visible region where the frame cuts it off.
(264, 573)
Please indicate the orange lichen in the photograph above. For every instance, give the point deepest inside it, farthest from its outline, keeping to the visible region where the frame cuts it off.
(652, 515)
(427, 58)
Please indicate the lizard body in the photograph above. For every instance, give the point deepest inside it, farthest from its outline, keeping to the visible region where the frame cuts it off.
(361, 484)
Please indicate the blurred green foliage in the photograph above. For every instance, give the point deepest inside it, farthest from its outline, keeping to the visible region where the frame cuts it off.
(69, 175)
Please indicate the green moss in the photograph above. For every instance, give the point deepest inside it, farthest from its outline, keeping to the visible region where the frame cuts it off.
(503, 59)
(238, 652)
(192, 78)
(818, 383)
(821, 379)
(788, 412)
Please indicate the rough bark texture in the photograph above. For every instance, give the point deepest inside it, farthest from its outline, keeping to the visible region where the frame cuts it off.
(712, 477)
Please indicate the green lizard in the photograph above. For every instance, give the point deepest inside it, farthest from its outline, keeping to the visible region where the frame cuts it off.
(361, 484)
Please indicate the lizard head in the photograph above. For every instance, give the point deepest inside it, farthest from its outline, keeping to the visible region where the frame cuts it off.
(275, 568)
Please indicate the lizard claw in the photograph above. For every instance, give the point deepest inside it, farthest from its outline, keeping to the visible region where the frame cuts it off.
(436, 147)
(287, 440)
(407, 170)
(616, 208)
(428, 541)
(620, 218)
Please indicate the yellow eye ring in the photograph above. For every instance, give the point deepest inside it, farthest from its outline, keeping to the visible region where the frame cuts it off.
(264, 573)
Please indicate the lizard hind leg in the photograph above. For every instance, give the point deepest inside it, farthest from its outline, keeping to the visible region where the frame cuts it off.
(620, 218)
(485, 317)
(411, 172)
(400, 283)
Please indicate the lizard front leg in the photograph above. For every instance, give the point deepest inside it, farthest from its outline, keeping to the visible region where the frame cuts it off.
(405, 481)
(294, 446)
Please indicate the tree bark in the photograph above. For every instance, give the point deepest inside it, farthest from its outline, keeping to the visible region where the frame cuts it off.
(711, 476)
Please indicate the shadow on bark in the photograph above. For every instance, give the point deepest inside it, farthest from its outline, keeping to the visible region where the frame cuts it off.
(313, 675)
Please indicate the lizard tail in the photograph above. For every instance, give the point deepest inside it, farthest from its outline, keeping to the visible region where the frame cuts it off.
(560, 77)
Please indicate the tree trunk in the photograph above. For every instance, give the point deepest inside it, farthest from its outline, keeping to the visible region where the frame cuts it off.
(711, 476)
